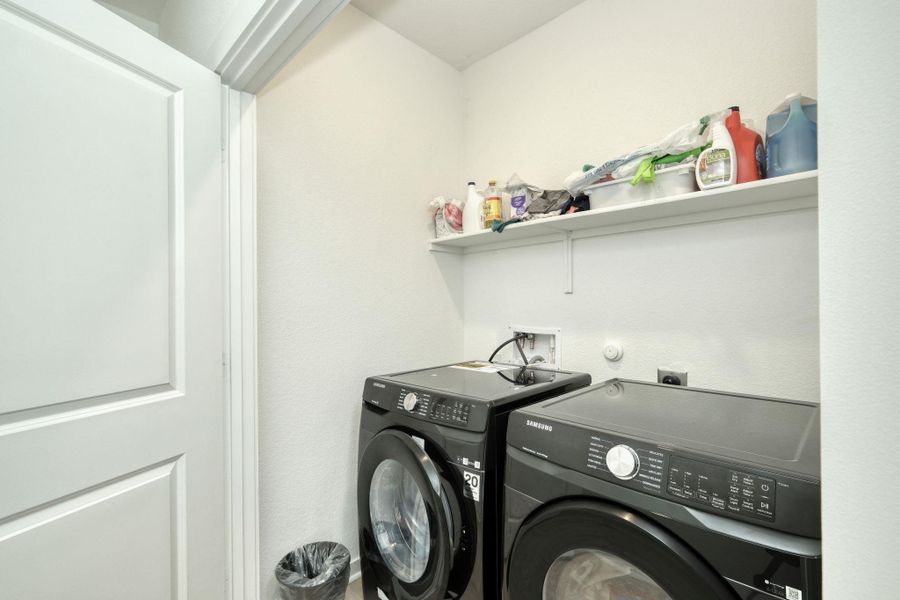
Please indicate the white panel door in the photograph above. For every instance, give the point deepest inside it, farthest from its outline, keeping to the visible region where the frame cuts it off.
(112, 480)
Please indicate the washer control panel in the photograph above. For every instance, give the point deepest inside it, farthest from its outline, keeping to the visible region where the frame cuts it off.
(437, 409)
(413, 401)
(722, 488)
(455, 412)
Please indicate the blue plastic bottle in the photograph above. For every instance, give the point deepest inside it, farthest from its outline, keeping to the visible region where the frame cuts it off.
(791, 137)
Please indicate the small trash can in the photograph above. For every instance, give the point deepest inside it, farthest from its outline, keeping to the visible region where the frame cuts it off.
(317, 571)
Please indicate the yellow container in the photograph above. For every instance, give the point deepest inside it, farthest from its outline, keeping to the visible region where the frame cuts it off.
(493, 208)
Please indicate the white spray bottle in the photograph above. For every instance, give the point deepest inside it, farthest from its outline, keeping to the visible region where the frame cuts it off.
(717, 166)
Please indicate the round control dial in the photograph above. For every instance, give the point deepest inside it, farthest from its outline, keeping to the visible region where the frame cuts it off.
(410, 401)
(623, 461)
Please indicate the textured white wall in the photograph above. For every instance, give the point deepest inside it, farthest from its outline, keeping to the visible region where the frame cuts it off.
(737, 302)
(356, 135)
(860, 283)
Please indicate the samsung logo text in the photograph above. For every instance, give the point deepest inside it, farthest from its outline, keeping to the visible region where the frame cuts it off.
(537, 425)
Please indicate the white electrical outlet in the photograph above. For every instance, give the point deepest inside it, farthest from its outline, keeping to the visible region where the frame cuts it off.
(544, 343)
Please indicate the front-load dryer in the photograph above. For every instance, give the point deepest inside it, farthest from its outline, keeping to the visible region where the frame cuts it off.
(431, 456)
(638, 491)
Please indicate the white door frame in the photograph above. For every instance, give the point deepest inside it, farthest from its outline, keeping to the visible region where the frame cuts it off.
(277, 32)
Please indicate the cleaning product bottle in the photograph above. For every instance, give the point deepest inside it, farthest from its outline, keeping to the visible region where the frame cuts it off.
(473, 211)
(748, 148)
(716, 166)
(518, 196)
(492, 204)
(791, 132)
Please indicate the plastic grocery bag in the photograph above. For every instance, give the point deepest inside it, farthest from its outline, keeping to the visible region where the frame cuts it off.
(448, 216)
(317, 571)
(682, 141)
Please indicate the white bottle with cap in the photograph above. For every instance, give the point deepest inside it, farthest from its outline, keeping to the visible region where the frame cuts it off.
(472, 212)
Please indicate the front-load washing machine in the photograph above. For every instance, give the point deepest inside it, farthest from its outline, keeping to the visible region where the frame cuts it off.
(637, 491)
(431, 449)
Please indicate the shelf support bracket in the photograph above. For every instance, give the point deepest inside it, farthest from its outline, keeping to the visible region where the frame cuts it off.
(569, 266)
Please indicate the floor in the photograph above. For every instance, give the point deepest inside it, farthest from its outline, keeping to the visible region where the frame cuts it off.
(354, 592)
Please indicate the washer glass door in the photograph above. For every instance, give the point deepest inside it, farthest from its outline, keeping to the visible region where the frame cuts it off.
(399, 521)
(589, 573)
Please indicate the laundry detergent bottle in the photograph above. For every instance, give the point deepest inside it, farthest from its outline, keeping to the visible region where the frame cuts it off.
(716, 166)
(748, 148)
(791, 137)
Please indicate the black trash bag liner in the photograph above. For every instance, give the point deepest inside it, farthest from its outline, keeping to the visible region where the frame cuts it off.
(317, 571)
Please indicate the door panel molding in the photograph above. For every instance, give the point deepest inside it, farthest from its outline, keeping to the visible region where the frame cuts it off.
(92, 370)
(153, 498)
(19, 421)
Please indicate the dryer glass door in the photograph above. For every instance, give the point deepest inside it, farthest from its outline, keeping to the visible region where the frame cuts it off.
(400, 520)
(580, 549)
(589, 573)
(406, 526)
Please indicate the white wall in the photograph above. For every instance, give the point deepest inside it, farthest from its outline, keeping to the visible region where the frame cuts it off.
(610, 75)
(860, 295)
(736, 302)
(356, 135)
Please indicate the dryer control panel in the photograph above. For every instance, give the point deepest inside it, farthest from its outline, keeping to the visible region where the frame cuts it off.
(722, 488)
(658, 471)
(718, 486)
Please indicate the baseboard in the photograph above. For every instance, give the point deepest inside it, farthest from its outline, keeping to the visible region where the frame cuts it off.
(354, 569)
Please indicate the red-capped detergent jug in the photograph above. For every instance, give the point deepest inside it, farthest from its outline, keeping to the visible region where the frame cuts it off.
(748, 148)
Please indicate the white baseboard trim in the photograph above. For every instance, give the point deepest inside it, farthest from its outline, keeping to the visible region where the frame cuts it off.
(354, 570)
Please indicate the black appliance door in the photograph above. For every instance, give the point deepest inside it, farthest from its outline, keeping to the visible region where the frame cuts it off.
(582, 549)
(408, 519)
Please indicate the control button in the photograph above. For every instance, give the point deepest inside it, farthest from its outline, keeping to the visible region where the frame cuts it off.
(764, 505)
(747, 505)
(410, 401)
(747, 492)
(765, 487)
(623, 462)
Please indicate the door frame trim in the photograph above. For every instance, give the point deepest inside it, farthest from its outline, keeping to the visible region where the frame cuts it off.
(275, 34)
(241, 448)
(279, 30)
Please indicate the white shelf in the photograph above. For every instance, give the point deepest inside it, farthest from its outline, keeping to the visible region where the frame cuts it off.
(782, 194)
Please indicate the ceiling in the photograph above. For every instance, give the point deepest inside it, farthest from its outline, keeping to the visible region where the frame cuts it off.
(462, 32)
